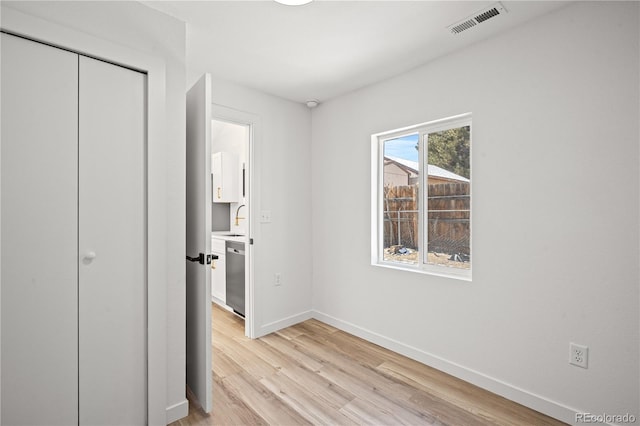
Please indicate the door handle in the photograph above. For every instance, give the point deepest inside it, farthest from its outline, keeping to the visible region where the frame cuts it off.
(88, 257)
(202, 259)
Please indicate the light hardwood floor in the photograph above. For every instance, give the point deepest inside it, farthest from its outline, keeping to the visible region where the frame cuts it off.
(313, 373)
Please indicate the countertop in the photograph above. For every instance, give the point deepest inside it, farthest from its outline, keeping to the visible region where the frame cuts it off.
(224, 235)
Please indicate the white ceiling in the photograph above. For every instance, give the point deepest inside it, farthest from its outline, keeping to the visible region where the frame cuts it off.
(328, 48)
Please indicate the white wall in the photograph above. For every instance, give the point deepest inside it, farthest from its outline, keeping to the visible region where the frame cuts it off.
(282, 177)
(139, 27)
(555, 108)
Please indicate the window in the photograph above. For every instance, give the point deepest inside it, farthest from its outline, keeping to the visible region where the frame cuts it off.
(421, 197)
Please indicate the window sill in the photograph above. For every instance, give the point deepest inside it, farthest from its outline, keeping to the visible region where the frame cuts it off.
(444, 272)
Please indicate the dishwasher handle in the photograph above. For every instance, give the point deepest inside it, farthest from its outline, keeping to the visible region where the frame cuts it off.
(235, 251)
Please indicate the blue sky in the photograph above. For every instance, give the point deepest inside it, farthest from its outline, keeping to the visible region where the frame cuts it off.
(404, 147)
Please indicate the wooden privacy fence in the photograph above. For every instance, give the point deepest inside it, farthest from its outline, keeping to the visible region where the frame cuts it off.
(448, 221)
(401, 216)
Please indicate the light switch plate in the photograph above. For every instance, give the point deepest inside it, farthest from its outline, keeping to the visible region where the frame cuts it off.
(265, 216)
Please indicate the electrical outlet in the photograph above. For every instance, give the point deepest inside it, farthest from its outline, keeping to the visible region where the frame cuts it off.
(277, 279)
(579, 355)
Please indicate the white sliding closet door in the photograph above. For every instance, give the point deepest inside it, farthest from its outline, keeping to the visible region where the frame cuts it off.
(39, 163)
(112, 204)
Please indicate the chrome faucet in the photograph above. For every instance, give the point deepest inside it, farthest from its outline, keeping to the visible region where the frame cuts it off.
(237, 217)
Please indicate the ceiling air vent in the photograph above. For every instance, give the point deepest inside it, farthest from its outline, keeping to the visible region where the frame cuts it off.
(477, 18)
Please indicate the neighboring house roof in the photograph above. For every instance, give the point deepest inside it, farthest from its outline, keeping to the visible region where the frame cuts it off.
(432, 170)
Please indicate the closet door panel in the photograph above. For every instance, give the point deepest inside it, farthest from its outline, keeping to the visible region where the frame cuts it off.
(39, 233)
(112, 235)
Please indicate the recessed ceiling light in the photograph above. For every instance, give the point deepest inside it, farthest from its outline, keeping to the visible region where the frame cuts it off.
(293, 2)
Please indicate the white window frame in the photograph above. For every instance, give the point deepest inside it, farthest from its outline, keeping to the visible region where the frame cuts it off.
(377, 197)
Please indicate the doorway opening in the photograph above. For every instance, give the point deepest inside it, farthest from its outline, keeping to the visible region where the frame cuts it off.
(232, 134)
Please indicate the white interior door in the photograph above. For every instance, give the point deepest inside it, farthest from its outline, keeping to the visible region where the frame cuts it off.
(39, 207)
(112, 245)
(199, 241)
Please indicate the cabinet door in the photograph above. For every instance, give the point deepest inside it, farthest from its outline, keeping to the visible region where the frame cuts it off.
(218, 275)
(217, 184)
(112, 235)
(39, 234)
(224, 175)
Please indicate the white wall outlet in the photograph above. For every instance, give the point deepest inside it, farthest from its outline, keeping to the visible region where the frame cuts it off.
(277, 279)
(579, 355)
(265, 216)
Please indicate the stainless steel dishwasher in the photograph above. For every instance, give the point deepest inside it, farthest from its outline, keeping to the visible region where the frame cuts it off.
(235, 276)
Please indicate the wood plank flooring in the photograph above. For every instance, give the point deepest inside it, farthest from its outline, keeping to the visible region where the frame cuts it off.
(315, 374)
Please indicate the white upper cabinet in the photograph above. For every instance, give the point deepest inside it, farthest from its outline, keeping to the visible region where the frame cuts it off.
(224, 177)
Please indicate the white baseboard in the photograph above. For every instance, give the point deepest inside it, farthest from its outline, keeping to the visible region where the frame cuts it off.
(283, 323)
(513, 393)
(177, 411)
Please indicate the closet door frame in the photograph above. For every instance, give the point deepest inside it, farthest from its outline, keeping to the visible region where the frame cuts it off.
(37, 29)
